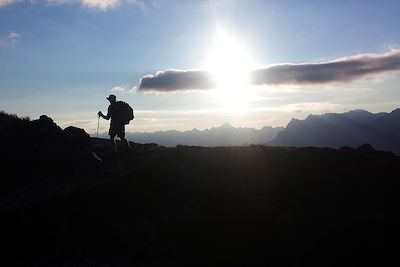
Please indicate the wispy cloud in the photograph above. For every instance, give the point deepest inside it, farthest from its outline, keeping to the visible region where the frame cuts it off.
(102, 5)
(9, 38)
(120, 89)
(336, 71)
(4, 3)
(310, 107)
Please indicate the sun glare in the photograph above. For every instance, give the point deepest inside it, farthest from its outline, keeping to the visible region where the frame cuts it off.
(230, 64)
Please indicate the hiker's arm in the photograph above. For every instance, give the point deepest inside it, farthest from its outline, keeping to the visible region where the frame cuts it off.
(107, 117)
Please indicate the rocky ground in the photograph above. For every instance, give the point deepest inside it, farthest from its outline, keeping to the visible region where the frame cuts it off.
(156, 206)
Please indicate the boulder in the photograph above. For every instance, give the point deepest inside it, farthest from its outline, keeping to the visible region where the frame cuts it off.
(78, 136)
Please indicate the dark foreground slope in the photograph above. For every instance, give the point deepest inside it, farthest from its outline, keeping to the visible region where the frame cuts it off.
(189, 206)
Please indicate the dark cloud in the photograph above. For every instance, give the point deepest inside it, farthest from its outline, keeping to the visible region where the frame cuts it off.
(341, 70)
(177, 80)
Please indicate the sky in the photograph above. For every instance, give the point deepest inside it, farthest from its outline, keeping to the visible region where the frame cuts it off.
(198, 64)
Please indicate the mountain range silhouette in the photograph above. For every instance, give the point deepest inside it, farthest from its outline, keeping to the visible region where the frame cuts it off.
(224, 135)
(353, 129)
(67, 201)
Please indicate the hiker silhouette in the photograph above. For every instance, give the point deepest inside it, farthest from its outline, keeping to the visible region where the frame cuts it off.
(117, 124)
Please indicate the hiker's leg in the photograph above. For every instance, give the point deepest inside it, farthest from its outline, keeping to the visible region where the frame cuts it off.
(112, 133)
(122, 136)
(126, 142)
(113, 144)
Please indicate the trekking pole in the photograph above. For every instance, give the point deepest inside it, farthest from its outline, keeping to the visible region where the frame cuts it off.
(98, 123)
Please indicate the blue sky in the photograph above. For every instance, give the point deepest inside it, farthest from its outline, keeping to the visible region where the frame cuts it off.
(63, 57)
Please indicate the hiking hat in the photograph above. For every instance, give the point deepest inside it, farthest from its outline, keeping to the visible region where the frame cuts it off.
(112, 97)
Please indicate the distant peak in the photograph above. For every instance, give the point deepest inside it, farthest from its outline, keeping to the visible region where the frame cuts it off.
(310, 116)
(351, 113)
(359, 111)
(294, 123)
(366, 148)
(226, 125)
(397, 111)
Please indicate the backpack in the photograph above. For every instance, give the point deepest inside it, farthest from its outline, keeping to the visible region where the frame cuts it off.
(123, 112)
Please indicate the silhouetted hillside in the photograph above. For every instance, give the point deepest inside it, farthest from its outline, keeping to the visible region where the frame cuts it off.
(352, 128)
(191, 206)
(225, 135)
(39, 159)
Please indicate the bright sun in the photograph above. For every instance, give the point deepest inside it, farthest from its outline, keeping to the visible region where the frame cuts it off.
(230, 64)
